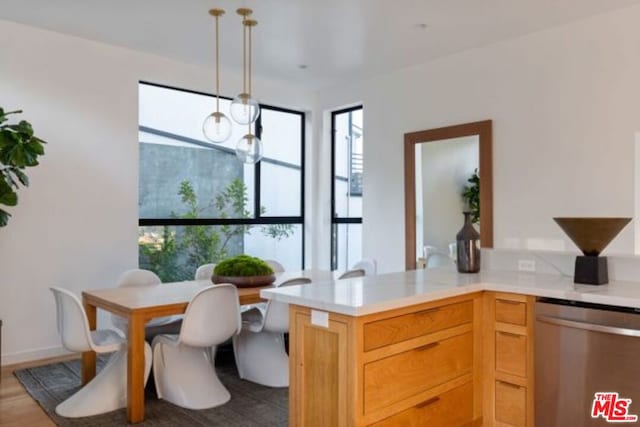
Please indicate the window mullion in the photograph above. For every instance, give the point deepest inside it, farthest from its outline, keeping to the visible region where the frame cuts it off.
(257, 173)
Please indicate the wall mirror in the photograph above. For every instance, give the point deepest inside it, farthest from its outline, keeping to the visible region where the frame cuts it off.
(437, 164)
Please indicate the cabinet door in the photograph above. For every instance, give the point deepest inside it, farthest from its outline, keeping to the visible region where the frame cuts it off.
(510, 404)
(319, 378)
(511, 353)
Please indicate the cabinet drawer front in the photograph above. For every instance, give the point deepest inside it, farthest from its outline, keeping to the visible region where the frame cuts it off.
(514, 312)
(511, 353)
(450, 409)
(401, 328)
(395, 378)
(511, 404)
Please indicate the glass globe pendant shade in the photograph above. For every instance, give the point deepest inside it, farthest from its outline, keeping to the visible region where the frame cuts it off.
(244, 109)
(217, 127)
(249, 149)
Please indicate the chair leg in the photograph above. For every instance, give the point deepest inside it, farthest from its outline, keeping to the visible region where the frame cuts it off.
(261, 358)
(106, 392)
(186, 377)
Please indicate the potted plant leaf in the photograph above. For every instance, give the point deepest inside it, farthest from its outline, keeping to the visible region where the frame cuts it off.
(471, 196)
(244, 271)
(19, 149)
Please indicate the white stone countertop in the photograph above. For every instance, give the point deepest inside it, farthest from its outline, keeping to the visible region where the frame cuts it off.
(374, 294)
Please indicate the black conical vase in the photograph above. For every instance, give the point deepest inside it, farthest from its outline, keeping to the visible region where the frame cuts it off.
(468, 247)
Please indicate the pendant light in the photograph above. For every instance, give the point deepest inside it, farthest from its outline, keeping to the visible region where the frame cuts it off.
(249, 148)
(217, 126)
(245, 109)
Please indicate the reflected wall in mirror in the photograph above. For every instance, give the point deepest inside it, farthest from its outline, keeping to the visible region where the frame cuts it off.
(438, 165)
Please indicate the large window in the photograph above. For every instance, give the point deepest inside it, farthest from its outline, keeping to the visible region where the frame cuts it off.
(346, 187)
(198, 203)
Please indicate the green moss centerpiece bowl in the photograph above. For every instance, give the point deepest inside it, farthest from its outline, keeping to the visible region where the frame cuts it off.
(244, 271)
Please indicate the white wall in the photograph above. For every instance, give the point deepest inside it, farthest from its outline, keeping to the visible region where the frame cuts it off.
(446, 166)
(564, 103)
(76, 226)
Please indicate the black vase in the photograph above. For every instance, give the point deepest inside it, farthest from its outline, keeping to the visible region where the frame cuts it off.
(468, 247)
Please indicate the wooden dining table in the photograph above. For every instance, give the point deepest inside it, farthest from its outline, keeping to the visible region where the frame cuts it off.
(143, 303)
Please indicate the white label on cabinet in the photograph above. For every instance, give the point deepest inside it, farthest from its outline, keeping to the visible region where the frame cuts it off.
(320, 318)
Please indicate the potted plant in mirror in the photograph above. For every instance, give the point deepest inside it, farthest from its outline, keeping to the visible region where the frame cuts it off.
(19, 149)
(244, 271)
(471, 196)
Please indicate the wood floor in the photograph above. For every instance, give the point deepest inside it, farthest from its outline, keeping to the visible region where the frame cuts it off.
(17, 408)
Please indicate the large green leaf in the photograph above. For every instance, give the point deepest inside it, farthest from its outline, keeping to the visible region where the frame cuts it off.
(19, 148)
(21, 176)
(35, 147)
(4, 218)
(8, 197)
(25, 127)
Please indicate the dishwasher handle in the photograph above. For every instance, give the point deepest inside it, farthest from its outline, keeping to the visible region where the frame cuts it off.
(614, 330)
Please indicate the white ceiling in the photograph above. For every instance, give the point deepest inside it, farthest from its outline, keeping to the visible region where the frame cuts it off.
(339, 40)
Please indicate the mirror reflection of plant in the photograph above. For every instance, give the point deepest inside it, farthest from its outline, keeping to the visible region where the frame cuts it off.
(19, 149)
(203, 244)
(471, 196)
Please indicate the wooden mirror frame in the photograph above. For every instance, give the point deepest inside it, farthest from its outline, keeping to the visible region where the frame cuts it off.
(484, 130)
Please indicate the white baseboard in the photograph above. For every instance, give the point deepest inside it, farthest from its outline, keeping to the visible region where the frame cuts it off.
(31, 355)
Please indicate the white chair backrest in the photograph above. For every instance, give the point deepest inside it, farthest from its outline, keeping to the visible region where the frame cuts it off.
(369, 265)
(138, 277)
(212, 317)
(133, 278)
(205, 271)
(275, 265)
(349, 274)
(434, 257)
(295, 281)
(73, 326)
(276, 317)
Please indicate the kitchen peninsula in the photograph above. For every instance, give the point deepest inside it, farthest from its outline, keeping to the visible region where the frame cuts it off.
(428, 345)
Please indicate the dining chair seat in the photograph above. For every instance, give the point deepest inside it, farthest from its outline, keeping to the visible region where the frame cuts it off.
(108, 390)
(259, 348)
(183, 367)
(369, 265)
(107, 340)
(350, 274)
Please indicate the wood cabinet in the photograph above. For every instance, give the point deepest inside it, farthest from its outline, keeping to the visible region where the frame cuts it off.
(414, 366)
(509, 376)
(466, 360)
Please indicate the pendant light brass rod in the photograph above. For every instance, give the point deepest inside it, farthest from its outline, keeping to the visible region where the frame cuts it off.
(250, 24)
(217, 13)
(244, 56)
(250, 61)
(217, 66)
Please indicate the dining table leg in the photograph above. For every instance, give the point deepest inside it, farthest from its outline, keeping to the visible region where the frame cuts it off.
(135, 369)
(89, 357)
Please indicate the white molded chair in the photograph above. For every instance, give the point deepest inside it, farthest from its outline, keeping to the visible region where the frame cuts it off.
(108, 390)
(275, 266)
(138, 277)
(259, 349)
(369, 265)
(434, 257)
(349, 274)
(183, 368)
(205, 271)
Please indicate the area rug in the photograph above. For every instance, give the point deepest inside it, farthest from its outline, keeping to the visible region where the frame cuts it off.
(250, 404)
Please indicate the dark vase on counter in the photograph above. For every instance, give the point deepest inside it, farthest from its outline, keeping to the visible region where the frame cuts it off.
(468, 247)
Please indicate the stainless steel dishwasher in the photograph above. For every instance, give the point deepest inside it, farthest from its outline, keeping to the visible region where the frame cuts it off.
(582, 349)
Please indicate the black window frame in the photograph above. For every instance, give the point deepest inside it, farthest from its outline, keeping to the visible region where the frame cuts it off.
(337, 220)
(258, 218)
